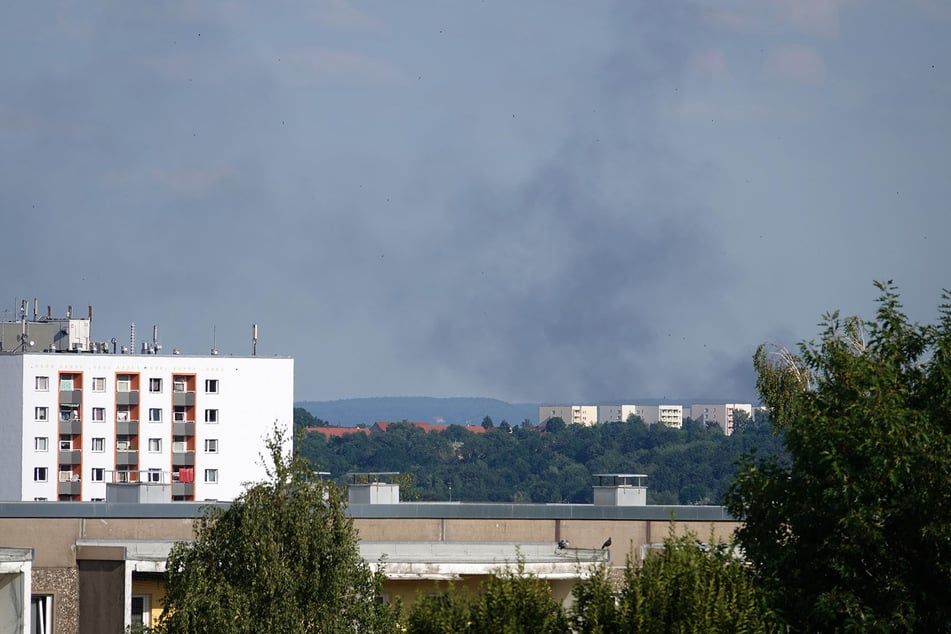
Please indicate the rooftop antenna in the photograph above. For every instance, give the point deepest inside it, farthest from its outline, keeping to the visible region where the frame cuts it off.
(132, 338)
(214, 340)
(254, 340)
(36, 307)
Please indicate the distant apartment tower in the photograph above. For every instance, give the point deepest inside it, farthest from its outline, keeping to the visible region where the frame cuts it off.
(76, 415)
(670, 415)
(571, 414)
(720, 414)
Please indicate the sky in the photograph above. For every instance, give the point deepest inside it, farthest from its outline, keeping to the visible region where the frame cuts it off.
(536, 201)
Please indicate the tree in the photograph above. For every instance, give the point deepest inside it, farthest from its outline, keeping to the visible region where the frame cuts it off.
(684, 587)
(283, 557)
(487, 423)
(853, 530)
(512, 601)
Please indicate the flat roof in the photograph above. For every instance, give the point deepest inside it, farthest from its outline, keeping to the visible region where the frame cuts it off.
(403, 510)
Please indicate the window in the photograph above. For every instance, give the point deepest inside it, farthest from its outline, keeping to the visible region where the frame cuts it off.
(155, 445)
(179, 445)
(40, 474)
(98, 445)
(98, 414)
(43, 443)
(41, 613)
(211, 386)
(123, 383)
(66, 383)
(155, 385)
(154, 475)
(42, 413)
(179, 414)
(99, 384)
(155, 415)
(211, 445)
(122, 415)
(179, 384)
(141, 616)
(65, 445)
(211, 416)
(98, 474)
(42, 384)
(211, 476)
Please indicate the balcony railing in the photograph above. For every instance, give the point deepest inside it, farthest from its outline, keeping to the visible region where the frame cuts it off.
(70, 457)
(183, 488)
(72, 487)
(127, 457)
(71, 427)
(127, 398)
(183, 399)
(186, 428)
(183, 458)
(127, 428)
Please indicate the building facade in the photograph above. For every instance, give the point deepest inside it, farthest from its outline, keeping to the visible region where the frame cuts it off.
(571, 414)
(670, 415)
(720, 414)
(77, 419)
(99, 567)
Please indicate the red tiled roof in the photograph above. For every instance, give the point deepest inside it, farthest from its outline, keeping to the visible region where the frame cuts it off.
(337, 432)
(427, 427)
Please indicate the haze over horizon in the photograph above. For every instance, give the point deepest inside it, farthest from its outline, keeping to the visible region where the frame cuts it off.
(543, 201)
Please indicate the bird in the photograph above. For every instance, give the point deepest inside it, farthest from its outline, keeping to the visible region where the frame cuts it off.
(563, 543)
(606, 544)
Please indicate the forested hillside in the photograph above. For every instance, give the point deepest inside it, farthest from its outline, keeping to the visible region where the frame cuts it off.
(692, 465)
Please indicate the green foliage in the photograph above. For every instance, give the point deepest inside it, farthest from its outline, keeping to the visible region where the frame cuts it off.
(853, 532)
(440, 613)
(510, 601)
(596, 608)
(283, 557)
(684, 587)
(693, 465)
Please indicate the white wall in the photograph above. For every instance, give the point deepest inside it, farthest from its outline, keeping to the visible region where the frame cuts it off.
(254, 395)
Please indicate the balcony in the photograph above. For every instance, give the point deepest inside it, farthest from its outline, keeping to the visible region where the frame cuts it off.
(183, 488)
(71, 427)
(184, 428)
(72, 487)
(71, 397)
(183, 399)
(127, 428)
(183, 458)
(127, 457)
(127, 398)
(70, 457)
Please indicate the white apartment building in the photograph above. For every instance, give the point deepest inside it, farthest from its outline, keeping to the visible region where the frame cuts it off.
(721, 414)
(75, 420)
(571, 414)
(670, 415)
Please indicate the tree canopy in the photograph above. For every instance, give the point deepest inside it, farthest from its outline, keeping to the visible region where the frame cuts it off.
(283, 557)
(853, 531)
(519, 464)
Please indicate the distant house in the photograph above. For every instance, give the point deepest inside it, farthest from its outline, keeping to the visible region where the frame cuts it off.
(381, 427)
(337, 432)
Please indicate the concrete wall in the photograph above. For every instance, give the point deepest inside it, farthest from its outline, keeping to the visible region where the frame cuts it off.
(12, 426)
